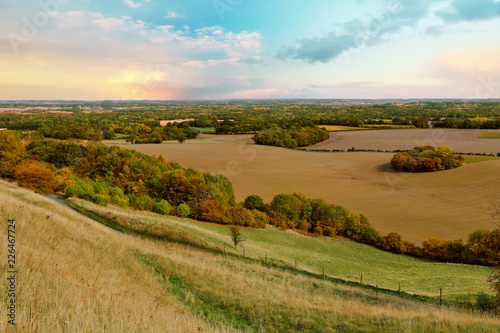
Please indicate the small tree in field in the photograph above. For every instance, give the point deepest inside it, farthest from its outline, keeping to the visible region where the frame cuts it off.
(236, 235)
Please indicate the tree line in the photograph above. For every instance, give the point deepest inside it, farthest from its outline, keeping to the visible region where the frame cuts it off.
(291, 138)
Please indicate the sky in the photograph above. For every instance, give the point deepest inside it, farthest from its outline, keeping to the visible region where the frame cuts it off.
(242, 49)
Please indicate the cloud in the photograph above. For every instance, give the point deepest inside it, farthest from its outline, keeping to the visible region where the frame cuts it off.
(145, 60)
(173, 15)
(467, 10)
(319, 49)
(135, 5)
(392, 17)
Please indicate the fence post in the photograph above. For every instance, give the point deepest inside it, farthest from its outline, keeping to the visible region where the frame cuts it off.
(441, 297)
(295, 264)
(399, 288)
(266, 257)
(243, 252)
(377, 290)
(361, 282)
(323, 272)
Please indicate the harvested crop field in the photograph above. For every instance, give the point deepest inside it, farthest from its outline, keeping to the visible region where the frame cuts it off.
(463, 141)
(448, 204)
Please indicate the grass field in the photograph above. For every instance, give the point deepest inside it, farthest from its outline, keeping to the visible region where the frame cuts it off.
(448, 204)
(120, 136)
(479, 158)
(75, 275)
(463, 141)
(335, 128)
(205, 130)
(341, 258)
(490, 135)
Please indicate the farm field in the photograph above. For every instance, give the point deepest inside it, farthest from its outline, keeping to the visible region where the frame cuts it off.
(79, 276)
(449, 204)
(490, 135)
(338, 128)
(341, 258)
(463, 141)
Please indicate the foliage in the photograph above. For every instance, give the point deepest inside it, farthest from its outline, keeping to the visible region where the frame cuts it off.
(393, 242)
(254, 202)
(184, 209)
(421, 123)
(484, 302)
(11, 152)
(162, 207)
(291, 138)
(236, 235)
(427, 159)
(36, 176)
(61, 154)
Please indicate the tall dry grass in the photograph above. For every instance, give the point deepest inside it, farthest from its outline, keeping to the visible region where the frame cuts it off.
(74, 276)
(78, 276)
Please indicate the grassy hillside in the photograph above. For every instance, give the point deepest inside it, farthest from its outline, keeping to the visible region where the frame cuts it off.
(78, 276)
(341, 258)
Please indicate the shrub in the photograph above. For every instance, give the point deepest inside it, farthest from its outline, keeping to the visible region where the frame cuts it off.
(393, 242)
(121, 201)
(484, 302)
(184, 210)
(261, 219)
(162, 207)
(102, 199)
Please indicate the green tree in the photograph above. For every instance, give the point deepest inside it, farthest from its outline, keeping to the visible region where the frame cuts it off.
(254, 202)
(421, 123)
(236, 235)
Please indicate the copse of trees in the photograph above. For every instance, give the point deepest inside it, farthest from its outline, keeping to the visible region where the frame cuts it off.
(466, 123)
(180, 133)
(421, 123)
(427, 159)
(291, 138)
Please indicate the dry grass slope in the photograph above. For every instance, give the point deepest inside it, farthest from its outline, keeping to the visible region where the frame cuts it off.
(78, 276)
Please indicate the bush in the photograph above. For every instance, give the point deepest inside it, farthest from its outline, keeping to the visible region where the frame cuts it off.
(121, 201)
(102, 199)
(184, 210)
(484, 302)
(393, 242)
(162, 207)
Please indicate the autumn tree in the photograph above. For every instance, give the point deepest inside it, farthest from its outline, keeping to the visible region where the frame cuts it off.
(35, 176)
(11, 152)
